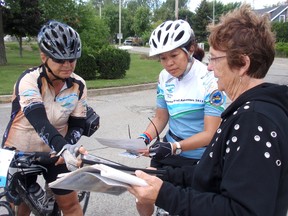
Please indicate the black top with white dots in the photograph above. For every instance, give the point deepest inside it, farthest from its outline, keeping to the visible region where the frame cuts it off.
(244, 170)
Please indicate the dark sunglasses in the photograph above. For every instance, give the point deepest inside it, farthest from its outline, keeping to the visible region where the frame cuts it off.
(62, 61)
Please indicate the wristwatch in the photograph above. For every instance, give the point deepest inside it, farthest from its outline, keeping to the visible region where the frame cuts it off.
(178, 148)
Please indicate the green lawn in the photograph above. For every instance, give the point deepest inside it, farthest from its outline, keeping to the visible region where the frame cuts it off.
(142, 70)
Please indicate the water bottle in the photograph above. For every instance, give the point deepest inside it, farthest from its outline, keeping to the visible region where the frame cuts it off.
(38, 197)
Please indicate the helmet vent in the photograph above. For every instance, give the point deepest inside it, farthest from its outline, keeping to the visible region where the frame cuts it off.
(72, 45)
(166, 39)
(54, 33)
(70, 32)
(60, 48)
(179, 36)
(47, 36)
(154, 44)
(168, 27)
(176, 26)
(61, 29)
(65, 41)
(159, 35)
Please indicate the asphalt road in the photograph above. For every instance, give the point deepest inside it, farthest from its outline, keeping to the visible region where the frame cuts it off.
(119, 110)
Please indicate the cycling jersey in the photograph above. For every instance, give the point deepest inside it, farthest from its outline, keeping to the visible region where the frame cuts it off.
(188, 100)
(34, 97)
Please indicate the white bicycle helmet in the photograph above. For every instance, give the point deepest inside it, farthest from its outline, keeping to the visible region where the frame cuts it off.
(59, 41)
(170, 35)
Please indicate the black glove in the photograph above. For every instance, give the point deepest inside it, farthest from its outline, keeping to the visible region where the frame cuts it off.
(69, 153)
(160, 150)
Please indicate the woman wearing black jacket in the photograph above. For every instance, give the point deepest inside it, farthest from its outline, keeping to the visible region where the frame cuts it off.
(244, 170)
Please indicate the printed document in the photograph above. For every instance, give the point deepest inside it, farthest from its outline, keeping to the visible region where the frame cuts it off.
(97, 178)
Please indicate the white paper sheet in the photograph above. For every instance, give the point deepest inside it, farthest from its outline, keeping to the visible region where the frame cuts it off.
(128, 144)
(118, 175)
(97, 178)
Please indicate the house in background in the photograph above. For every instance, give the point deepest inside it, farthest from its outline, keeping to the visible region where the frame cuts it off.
(277, 13)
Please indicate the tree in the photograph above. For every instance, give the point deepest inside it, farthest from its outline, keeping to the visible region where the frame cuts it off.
(111, 16)
(141, 21)
(3, 59)
(22, 18)
(93, 31)
(201, 21)
(187, 15)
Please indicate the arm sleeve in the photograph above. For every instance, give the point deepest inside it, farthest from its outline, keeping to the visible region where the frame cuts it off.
(36, 115)
(75, 129)
(76, 122)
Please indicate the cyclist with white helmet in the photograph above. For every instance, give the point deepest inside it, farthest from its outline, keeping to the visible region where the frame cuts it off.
(49, 109)
(184, 95)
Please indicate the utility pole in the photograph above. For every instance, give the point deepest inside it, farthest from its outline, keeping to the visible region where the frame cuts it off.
(176, 9)
(120, 34)
(213, 20)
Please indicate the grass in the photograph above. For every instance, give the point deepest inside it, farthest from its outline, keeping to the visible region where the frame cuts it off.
(142, 69)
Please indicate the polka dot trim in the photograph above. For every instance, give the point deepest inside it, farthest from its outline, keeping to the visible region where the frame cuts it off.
(267, 154)
(273, 134)
(236, 127)
(227, 150)
(260, 128)
(257, 138)
(278, 162)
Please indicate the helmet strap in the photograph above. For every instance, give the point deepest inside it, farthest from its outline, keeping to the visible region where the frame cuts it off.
(50, 71)
(189, 65)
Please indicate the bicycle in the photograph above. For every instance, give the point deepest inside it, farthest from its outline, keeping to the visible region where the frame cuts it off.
(26, 164)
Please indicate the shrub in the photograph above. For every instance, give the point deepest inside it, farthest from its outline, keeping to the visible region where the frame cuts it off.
(282, 49)
(112, 63)
(281, 30)
(86, 66)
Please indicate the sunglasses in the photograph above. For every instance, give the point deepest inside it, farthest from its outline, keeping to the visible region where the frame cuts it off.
(62, 61)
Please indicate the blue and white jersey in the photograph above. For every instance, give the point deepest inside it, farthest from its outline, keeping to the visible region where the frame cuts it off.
(188, 101)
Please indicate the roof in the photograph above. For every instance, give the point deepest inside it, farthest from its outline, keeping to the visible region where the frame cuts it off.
(274, 12)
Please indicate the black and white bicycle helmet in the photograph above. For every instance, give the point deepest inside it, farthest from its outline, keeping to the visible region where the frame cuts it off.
(170, 35)
(59, 41)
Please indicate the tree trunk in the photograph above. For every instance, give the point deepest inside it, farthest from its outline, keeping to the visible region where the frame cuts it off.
(20, 47)
(3, 59)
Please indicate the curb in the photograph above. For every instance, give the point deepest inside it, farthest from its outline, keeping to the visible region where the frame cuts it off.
(103, 91)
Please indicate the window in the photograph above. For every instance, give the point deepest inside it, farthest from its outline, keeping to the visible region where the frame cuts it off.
(282, 18)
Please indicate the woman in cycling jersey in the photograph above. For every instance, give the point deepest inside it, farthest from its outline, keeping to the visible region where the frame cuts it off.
(187, 98)
(49, 109)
